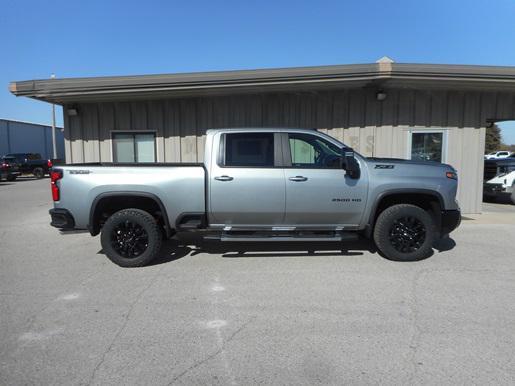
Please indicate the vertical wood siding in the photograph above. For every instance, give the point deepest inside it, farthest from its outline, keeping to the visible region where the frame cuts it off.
(352, 116)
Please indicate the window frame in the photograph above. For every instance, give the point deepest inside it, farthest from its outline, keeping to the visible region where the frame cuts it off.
(445, 141)
(133, 133)
(278, 151)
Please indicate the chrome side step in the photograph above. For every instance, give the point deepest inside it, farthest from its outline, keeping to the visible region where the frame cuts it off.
(278, 238)
(275, 237)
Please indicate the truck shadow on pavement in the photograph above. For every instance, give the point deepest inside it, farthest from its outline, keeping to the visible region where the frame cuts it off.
(190, 245)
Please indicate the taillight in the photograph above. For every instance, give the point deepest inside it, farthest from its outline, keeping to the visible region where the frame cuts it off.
(451, 175)
(55, 175)
(4, 166)
(49, 163)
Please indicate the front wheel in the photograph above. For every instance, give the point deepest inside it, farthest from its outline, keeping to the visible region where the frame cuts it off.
(405, 232)
(131, 238)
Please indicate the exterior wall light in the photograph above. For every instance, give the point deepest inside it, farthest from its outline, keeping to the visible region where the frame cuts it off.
(72, 112)
(381, 95)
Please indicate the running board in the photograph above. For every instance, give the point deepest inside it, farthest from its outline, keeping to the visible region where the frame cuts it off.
(282, 238)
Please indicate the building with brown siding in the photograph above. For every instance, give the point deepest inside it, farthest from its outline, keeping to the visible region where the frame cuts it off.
(383, 109)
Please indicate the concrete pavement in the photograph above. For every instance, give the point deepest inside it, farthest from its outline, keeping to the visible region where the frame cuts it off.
(269, 315)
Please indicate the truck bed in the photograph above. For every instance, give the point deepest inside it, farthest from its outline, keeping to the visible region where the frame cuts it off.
(179, 187)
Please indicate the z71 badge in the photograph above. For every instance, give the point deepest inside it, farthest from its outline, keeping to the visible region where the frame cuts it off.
(384, 167)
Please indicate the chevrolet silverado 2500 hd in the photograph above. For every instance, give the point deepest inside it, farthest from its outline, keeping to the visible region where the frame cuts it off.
(260, 185)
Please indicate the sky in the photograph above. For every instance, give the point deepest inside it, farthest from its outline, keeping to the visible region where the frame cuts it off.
(74, 38)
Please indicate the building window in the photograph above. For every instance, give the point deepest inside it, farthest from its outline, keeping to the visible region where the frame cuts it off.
(134, 147)
(428, 145)
(249, 149)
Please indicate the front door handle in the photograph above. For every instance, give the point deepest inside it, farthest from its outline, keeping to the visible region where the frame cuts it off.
(298, 178)
(224, 178)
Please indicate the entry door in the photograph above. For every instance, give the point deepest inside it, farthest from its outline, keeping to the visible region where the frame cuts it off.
(246, 187)
(318, 191)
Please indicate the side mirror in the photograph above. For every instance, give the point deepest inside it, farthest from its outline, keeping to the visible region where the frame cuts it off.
(351, 165)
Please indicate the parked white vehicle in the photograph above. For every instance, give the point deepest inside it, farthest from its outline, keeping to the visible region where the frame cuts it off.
(498, 154)
(502, 184)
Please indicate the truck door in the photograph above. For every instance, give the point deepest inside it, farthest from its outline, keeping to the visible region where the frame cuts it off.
(246, 188)
(318, 192)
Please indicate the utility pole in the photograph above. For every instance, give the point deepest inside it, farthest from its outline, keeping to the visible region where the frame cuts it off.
(54, 148)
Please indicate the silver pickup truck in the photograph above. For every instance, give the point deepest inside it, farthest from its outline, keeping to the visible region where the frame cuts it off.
(260, 185)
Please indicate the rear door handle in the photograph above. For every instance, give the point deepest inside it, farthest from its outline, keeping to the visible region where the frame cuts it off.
(224, 178)
(298, 178)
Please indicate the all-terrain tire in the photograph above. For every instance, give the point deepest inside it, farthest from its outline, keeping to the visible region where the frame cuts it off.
(117, 224)
(38, 173)
(392, 233)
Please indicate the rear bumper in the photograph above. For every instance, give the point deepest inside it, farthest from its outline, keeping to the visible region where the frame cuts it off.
(61, 218)
(6, 173)
(451, 219)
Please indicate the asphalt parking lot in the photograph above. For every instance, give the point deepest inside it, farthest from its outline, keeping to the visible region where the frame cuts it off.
(252, 315)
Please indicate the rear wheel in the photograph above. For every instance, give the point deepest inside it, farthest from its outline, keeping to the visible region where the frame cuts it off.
(11, 177)
(131, 238)
(38, 172)
(405, 232)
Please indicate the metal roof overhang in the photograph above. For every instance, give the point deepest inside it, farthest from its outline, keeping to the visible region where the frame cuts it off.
(379, 75)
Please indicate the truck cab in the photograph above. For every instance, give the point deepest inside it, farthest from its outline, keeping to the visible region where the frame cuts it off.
(282, 178)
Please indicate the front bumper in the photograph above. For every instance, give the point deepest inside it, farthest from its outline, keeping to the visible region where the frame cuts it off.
(451, 219)
(493, 189)
(61, 218)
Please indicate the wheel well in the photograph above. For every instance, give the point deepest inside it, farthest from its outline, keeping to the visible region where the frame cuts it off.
(104, 207)
(426, 201)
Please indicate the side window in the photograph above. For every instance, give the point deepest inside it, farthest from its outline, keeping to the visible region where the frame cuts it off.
(249, 149)
(310, 151)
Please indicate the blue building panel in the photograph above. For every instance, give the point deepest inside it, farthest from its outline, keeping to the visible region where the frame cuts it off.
(25, 137)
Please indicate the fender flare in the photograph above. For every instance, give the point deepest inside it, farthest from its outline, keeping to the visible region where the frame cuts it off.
(370, 222)
(93, 230)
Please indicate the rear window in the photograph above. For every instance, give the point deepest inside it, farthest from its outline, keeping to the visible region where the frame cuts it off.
(249, 149)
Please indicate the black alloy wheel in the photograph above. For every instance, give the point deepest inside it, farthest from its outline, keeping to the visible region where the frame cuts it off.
(407, 234)
(129, 239)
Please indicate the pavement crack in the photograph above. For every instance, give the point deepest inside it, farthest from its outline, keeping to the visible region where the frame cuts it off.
(417, 330)
(213, 355)
(122, 327)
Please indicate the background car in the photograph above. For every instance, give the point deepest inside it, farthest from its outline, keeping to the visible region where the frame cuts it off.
(498, 154)
(9, 169)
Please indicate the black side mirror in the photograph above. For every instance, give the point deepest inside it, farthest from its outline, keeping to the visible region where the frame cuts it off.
(351, 165)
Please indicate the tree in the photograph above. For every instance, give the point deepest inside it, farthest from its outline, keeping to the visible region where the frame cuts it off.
(493, 139)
